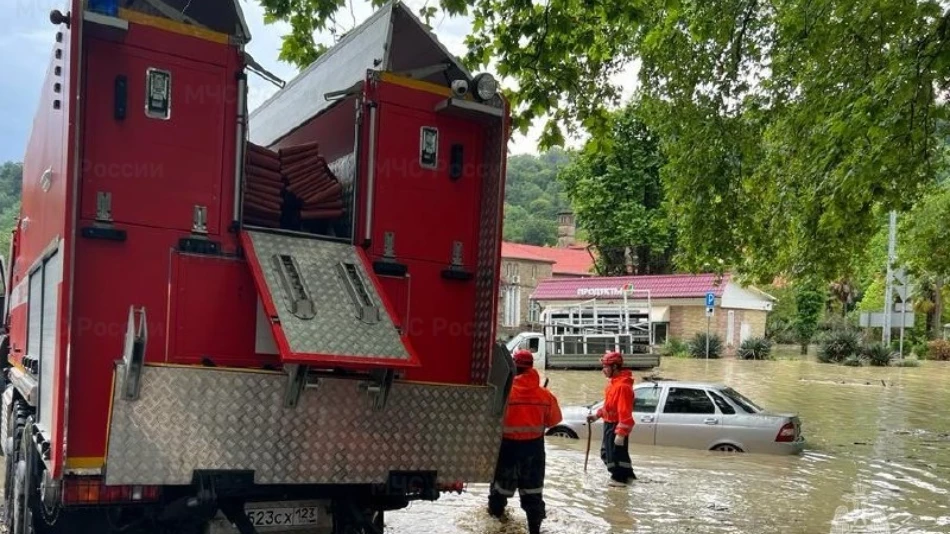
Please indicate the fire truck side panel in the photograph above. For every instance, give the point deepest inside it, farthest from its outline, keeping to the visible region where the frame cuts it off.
(428, 211)
(107, 284)
(213, 313)
(157, 168)
(39, 311)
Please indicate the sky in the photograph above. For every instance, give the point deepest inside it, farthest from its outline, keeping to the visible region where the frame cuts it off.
(27, 38)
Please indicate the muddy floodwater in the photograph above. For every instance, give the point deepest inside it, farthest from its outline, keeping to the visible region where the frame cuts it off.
(877, 461)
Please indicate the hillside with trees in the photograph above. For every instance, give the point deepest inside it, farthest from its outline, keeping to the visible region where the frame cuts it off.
(11, 182)
(534, 196)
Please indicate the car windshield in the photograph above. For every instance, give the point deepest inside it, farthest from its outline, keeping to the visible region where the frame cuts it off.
(741, 400)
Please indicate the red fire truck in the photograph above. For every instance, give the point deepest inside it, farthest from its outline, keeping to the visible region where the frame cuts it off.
(283, 321)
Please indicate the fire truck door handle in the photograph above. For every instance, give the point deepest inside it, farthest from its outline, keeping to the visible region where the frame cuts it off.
(121, 97)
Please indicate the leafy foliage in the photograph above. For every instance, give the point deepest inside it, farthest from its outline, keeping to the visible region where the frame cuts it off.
(783, 125)
(939, 349)
(878, 354)
(533, 197)
(697, 345)
(780, 322)
(925, 234)
(926, 249)
(907, 362)
(618, 198)
(11, 183)
(755, 348)
(809, 302)
(836, 345)
(676, 348)
(854, 361)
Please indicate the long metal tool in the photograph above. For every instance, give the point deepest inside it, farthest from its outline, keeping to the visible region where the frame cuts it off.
(587, 454)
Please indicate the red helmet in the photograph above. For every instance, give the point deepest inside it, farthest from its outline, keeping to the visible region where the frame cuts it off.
(524, 358)
(612, 358)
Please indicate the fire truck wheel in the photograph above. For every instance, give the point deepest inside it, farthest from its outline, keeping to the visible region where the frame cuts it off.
(12, 490)
(25, 511)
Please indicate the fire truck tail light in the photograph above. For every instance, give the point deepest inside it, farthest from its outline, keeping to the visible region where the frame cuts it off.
(92, 490)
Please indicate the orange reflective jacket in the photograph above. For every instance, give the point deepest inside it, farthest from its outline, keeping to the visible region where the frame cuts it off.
(531, 408)
(618, 402)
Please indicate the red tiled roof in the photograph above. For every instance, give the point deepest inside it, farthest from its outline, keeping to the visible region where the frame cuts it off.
(663, 286)
(521, 252)
(573, 260)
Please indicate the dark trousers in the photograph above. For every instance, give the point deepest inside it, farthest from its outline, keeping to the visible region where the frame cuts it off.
(616, 457)
(520, 466)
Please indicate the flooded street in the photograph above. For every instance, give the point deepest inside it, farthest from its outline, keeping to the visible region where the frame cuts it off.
(877, 458)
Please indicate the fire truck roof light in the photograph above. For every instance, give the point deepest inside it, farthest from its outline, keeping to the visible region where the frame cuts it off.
(485, 86)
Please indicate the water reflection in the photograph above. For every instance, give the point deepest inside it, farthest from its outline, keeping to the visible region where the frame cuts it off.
(878, 460)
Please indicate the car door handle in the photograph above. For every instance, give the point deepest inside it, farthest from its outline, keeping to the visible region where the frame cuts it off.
(646, 419)
(711, 421)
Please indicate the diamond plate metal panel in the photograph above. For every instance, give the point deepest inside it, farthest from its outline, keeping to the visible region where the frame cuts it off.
(202, 418)
(335, 329)
(486, 282)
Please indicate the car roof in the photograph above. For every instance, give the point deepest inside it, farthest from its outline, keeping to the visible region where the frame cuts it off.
(681, 383)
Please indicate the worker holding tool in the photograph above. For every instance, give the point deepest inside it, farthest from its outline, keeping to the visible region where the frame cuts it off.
(531, 410)
(617, 413)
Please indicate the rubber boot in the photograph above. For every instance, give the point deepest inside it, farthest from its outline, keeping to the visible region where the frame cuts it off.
(534, 527)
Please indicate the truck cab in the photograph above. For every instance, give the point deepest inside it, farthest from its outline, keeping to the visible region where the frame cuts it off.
(533, 341)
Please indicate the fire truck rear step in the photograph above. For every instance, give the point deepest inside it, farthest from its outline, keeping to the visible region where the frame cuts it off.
(189, 419)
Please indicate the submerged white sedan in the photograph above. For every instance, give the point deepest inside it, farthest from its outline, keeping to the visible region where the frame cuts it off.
(695, 415)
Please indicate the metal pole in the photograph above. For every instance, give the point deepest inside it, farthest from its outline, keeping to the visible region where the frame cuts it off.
(707, 336)
(888, 288)
(903, 323)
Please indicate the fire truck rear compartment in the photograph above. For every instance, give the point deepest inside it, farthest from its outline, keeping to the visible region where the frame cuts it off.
(334, 359)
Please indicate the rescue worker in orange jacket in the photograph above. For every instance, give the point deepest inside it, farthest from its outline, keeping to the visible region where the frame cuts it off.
(617, 413)
(531, 410)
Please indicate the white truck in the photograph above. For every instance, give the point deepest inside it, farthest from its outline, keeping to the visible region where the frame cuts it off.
(575, 336)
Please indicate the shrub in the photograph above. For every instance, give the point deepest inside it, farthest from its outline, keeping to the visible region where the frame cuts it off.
(939, 349)
(697, 346)
(836, 345)
(854, 361)
(909, 362)
(878, 354)
(780, 331)
(754, 348)
(675, 348)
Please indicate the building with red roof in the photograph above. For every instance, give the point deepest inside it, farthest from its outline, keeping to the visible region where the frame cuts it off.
(677, 302)
(536, 278)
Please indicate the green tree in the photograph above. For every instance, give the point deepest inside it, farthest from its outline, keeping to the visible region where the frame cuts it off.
(534, 197)
(11, 183)
(809, 303)
(618, 198)
(925, 248)
(789, 127)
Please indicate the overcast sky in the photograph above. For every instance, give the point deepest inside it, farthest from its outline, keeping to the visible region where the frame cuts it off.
(27, 37)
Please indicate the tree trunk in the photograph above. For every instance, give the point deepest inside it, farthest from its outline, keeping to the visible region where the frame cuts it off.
(804, 348)
(938, 308)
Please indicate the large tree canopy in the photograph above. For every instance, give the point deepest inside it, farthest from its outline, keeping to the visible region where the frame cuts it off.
(789, 127)
(618, 199)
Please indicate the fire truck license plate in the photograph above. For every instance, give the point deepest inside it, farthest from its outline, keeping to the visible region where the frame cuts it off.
(298, 516)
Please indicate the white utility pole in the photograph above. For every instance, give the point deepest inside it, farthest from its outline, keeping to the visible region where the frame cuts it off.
(888, 288)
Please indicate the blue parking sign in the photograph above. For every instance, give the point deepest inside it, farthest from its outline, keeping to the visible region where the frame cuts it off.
(710, 300)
